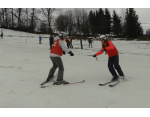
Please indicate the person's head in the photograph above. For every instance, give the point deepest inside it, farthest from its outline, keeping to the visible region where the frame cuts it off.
(103, 39)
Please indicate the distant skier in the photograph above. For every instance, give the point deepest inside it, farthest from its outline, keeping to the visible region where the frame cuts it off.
(67, 41)
(90, 42)
(70, 43)
(1, 34)
(40, 39)
(56, 52)
(113, 59)
(51, 41)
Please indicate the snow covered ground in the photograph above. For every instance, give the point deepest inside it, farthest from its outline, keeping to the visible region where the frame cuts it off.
(24, 66)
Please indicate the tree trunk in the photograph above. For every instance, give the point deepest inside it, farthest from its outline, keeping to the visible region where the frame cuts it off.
(12, 21)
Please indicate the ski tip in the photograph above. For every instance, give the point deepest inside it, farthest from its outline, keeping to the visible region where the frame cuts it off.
(101, 84)
(43, 86)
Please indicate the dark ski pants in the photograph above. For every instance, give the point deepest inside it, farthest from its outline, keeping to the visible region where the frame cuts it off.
(114, 61)
(90, 43)
(51, 44)
(70, 45)
(57, 62)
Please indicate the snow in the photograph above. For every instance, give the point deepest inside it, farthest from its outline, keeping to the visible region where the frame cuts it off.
(24, 66)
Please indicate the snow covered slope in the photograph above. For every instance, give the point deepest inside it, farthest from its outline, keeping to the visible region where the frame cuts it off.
(24, 66)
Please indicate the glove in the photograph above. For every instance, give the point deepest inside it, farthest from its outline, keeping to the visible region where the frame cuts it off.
(105, 51)
(71, 54)
(94, 55)
(64, 52)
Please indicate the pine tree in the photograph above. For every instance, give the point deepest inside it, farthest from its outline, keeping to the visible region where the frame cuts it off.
(133, 27)
(101, 21)
(116, 28)
(108, 21)
(92, 22)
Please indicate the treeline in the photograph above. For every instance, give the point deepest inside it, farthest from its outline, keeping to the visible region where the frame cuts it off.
(27, 19)
(72, 21)
(100, 22)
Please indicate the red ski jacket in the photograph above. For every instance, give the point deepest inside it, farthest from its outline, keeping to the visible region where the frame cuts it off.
(111, 50)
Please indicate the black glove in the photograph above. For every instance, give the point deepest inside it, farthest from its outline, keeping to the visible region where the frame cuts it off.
(71, 54)
(105, 51)
(64, 52)
(94, 55)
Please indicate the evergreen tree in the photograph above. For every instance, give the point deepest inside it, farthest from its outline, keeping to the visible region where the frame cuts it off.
(108, 21)
(92, 22)
(116, 28)
(133, 27)
(101, 21)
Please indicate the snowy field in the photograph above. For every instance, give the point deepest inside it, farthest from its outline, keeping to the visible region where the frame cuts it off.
(24, 66)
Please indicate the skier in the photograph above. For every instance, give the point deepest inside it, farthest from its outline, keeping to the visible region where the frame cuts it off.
(90, 42)
(51, 41)
(113, 59)
(40, 39)
(70, 43)
(1, 34)
(56, 52)
(67, 41)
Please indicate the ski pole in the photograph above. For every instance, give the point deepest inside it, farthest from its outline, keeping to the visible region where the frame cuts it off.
(96, 59)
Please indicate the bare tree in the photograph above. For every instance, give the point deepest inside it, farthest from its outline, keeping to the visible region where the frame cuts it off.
(70, 23)
(84, 22)
(61, 23)
(123, 13)
(48, 13)
(3, 17)
(12, 18)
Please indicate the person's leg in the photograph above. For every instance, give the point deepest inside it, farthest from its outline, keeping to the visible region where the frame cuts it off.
(68, 44)
(51, 45)
(110, 66)
(59, 63)
(72, 45)
(117, 66)
(53, 69)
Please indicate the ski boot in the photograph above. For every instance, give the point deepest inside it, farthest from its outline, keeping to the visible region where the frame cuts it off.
(115, 78)
(122, 77)
(60, 82)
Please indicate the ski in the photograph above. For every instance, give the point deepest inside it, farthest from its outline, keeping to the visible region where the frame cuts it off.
(64, 84)
(46, 82)
(112, 85)
(105, 83)
(74, 82)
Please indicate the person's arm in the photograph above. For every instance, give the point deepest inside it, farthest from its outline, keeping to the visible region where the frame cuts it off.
(62, 45)
(100, 52)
